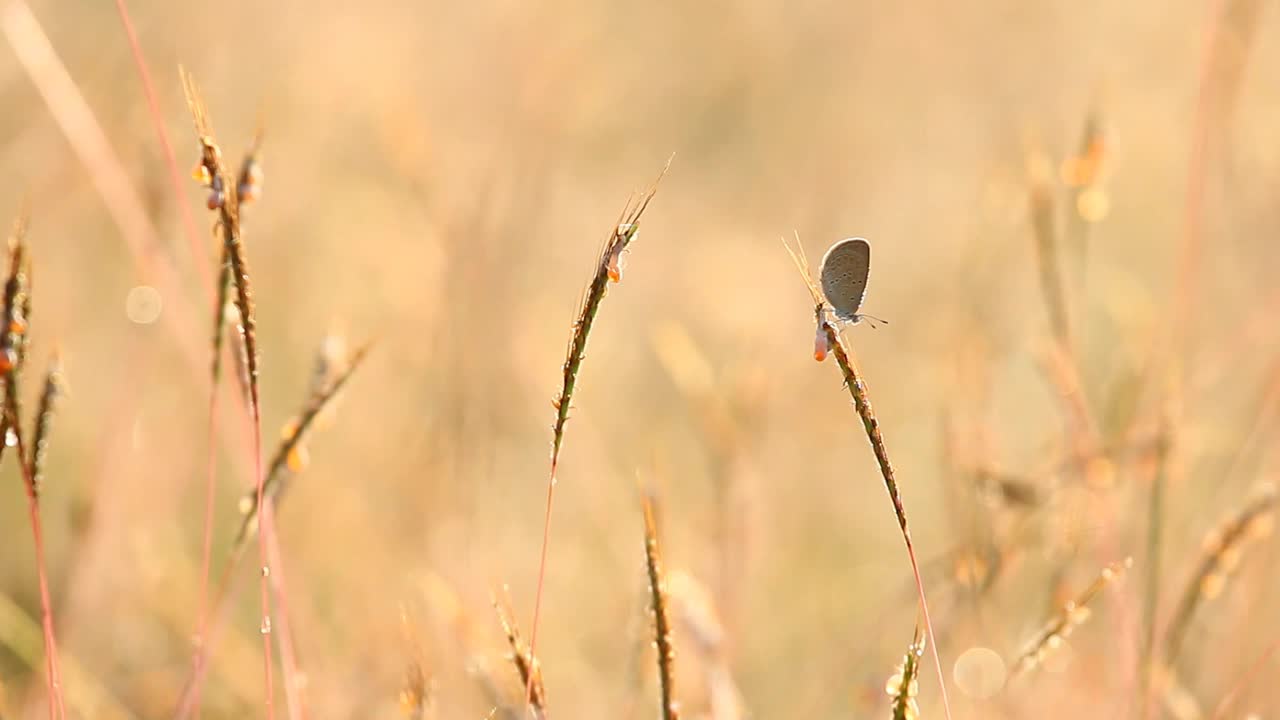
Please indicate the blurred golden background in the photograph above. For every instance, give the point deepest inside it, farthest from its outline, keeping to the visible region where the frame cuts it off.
(439, 179)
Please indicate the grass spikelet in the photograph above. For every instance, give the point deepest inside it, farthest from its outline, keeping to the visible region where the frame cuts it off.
(862, 402)
(223, 200)
(1223, 550)
(522, 657)
(54, 386)
(661, 621)
(283, 462)
(13, 321)
(249, 181)
(608, 269)
(13, 341)
(1073, 614)
(904, 684)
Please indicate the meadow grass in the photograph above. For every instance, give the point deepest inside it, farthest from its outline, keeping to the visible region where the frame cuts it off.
(1140, 417)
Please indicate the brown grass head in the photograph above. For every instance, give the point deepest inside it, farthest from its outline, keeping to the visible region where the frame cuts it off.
(608, 269)
(527, 666)
(661, 620)
(17, 302)
(54, 388)
(13, 333)
(223, 200)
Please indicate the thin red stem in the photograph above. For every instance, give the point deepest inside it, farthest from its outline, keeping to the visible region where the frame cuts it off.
(166, 147)
(200, 666)
(206, 553)
(264, 529)
(53, 673)
(928, 627)
(1249, 676)
(295, 701)
(537, 595)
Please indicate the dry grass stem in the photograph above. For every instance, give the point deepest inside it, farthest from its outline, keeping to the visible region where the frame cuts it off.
(661, 621)
(196, 246)
(1155, 536)
(13, 349)
(1223, 550)
(1043, 225)
(862, 403)
(285, 460)
(608, 269)
(1073, 614)
(224, 201)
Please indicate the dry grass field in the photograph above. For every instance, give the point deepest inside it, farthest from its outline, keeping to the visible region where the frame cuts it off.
(1074, 210)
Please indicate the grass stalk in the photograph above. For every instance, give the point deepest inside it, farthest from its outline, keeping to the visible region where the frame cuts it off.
(223, 199)
(1151, 588)
(166, 147)
(526, 663)
(295, 699)
(1255, 669)
(607, 269)
(1222, 554)
(828, 334)
(904, 684)
(49, 396)
(1072, 614)
(13, 343)
(1042, 221)
(661, 621)
(277, 476)
(223, 290)
(862, 401)
(274, 486)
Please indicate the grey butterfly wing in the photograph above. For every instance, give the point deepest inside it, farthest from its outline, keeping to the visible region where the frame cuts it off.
(844, 273)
